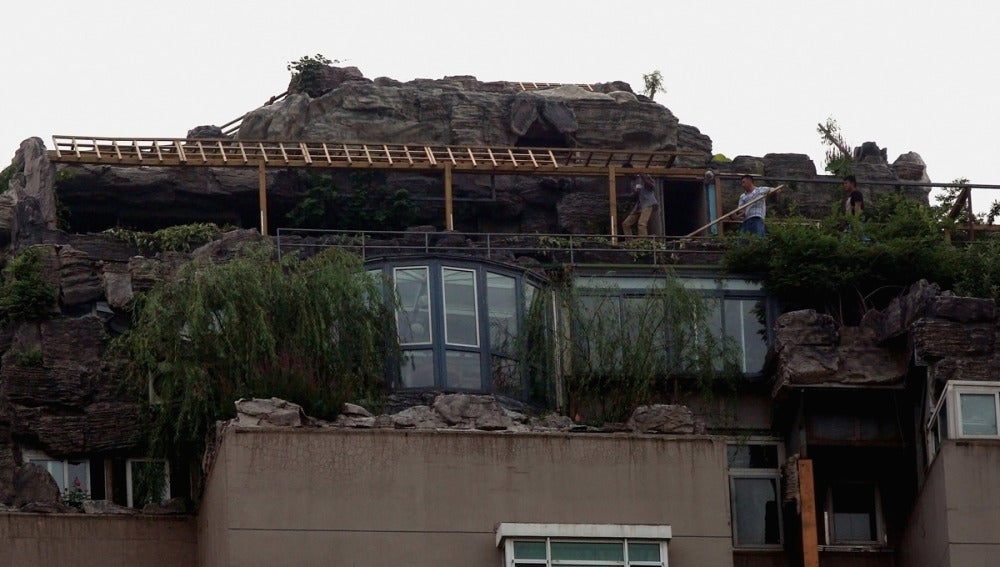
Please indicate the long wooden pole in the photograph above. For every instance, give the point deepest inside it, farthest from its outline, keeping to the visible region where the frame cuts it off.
(449, 218)
(734, 211)
(613, 200)
(262, 177)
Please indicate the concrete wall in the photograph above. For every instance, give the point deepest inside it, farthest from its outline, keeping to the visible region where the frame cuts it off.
(28, 540)
(956, 519)
(385, 497)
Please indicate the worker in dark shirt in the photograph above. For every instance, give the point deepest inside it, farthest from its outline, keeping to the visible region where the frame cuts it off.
(855, 203)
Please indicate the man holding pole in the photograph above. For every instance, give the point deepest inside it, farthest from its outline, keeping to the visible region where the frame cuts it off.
(753, 215)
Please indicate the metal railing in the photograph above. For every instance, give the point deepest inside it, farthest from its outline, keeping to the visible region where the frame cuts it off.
(547, 249)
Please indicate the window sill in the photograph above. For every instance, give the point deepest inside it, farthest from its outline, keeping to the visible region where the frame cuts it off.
(856, 548)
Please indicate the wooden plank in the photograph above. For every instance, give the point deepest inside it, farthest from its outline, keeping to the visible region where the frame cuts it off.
(284, 154)
(304, 148)
(552, 157)
(97, 150)
(493, 158)
(138, 151)
(222, 152)
(368, 154)
(734, 211)
(807, 498)
(263, 153)
(513, 160)
(430, 155)
(347, 154)
(180, 151)
(262, 189)
(388, 155)
(531, 155)
(451, 156)
(326, 152)
(243, 152)
(118, 151)
(201, 150)
(472, 157)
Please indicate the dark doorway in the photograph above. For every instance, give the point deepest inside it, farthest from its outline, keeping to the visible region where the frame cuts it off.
(684, 207)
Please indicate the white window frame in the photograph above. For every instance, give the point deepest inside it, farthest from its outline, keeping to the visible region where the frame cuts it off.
(766, 473)
(475, 306)
(28, 456)
(950, 401)
(508, 533)
(830, 510)
(128, 478)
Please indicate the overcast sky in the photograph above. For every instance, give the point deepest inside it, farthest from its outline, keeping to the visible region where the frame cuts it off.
(754, 76)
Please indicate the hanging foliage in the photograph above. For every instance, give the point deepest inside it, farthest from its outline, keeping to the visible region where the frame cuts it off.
(315, 332)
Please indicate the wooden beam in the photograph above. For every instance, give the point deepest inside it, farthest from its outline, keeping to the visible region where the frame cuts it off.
(613, 203)
(262, 176)
(449, 220)
(807, 498)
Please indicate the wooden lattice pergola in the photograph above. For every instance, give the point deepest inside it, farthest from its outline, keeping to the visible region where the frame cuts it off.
(449, 160)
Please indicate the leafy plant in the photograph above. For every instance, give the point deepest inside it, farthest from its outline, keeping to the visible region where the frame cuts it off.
(31, 358)
(366, 206)
(149, 481)
(25, 295)
(653, 83)
(314, 332)
(6, 175)
(75, 495)
(307, 73)
(180, 238)
(838, 154)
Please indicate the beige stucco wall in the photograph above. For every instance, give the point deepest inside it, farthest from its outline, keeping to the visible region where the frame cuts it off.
(956, 519)
(29, 540)
(385, 497)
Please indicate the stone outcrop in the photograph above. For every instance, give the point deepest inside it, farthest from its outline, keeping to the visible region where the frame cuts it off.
(955, 338)
(271, 412)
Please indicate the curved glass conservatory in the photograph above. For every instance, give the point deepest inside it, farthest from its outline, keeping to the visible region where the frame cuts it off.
(466, 324)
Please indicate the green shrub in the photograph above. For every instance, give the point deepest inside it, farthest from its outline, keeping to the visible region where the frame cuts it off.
(25, 296)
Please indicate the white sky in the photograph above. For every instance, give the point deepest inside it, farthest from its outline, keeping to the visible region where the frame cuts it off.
(755, 76)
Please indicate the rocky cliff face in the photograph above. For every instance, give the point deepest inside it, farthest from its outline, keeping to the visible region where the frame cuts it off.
(453, 110)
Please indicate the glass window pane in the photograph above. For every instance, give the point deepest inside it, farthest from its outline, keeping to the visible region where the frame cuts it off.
(587, 551)
(979, 414)
(854, 513)
(752, 456)
(413, 315)
(463, 370)
(743, 326)
(460, 317)
(529, 549)
(417, 370)
(755, 511)
(502, 300)
(643, 552)
(78, 475)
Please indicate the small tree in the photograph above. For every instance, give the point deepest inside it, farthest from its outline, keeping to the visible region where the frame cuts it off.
(653, 84)
(307, 72)
(838, 153)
